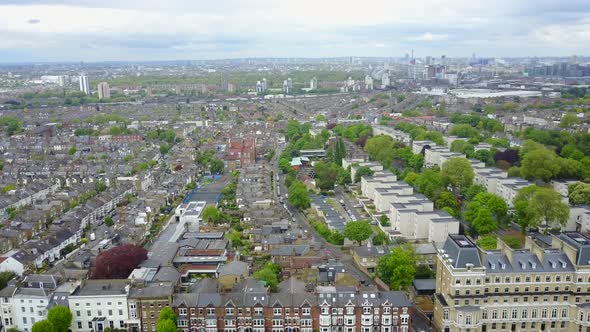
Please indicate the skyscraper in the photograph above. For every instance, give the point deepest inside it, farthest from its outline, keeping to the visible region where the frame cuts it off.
(288, 86)
(104, 91)
(385, 82)
(84, 84)
(368, 82)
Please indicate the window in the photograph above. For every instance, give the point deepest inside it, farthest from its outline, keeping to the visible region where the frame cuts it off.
(544, 313)
(494, 314)
(446, 314)
(366, 310)
(504, 314)
(79, 325)
(533, 313)
(229, 311)
(514, 314)
(182, 311)
(468, 319)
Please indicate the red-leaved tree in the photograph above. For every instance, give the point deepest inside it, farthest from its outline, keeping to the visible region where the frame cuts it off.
(118, 262)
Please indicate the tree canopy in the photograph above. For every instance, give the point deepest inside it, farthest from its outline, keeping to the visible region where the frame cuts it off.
(60, 317)
(579, 193)
(298, 195)
(358, 231)
(398, 268)
(118, 262)
(458, 173)
(380, 148)
(326, 174)
(269, 274)
(537, 206)
(43, 326)
(211, 214)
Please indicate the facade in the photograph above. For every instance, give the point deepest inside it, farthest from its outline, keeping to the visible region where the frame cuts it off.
(313, 83)
(84, 84)
(104, 91)
(100, 304)
(145, 305)
(32, 300)
(543, 287)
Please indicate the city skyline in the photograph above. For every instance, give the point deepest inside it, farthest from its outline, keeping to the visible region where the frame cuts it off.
(64, 31)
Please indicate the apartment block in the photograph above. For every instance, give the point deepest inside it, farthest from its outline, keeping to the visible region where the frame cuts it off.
(543, 287)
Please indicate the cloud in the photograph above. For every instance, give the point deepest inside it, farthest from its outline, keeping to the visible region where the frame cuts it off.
(428, 37)
(73, 30)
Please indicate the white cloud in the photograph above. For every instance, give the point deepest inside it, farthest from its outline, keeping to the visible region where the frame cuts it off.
(428, 37)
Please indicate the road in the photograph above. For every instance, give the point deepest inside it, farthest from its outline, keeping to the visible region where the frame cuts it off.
(332, 251)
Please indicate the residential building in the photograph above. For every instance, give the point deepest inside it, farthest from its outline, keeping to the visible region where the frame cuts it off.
(32, 300)
(104, 91)
(539, 288)
(145, 304)
(84, 84)
(100, 304)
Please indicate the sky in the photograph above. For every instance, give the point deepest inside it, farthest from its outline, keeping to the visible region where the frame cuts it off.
(145, 30)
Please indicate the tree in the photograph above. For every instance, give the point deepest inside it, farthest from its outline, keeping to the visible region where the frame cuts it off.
(488, 242)
(380, 148)
(167, 314)
(298, 195)
(284, 165)
(339, 151)
(462, 146)
(384, 220)
(539, 164)
(216, 166)
(536, 206)
(494, 203)
(484, 223)
(118, 262)
(5, 277)
(458, 173)
(423, 271)
(473, 190)
(72, 151)
(166, 326)
(362, 171)
(269, 274)
(578, 194)
(380, 239)
(430, 183)
(447, 199)
(464, 130)
(569, 120)
(108, 220)
(411, 178)
(512, 241)
(211, 214)
(326, 174)
(61, 317)
(398, 268)
(358, 231)
(43, 326)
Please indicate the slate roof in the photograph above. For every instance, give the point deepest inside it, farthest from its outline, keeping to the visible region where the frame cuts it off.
(461, 251)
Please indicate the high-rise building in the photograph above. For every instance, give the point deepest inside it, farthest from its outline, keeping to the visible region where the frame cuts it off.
(261, 86)
(313, 84)
(385, 82)
(104, 91)
(288, 86)
(84, 84)
(368, 83)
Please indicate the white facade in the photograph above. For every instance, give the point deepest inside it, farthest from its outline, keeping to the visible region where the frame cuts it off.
(95, 311)
(9, 264)
(84, 84)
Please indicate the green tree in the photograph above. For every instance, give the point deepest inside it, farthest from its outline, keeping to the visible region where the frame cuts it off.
(458, 173)
(380, 148)
(578, 194)
(398, 268)
(362, 171)
(423, 271)
(569, 120)
(384, 220)
(539, 164)
(216, 166)
(211, 215)
(5, 277)
(60, 317)
(411, 178)
(536, 206)
(43, 326)
(339, 151)
(72, 151)
(494, 203)
(326, 174)
(430, 183)
(464, 130)
(488, 242)
(166, 326)
(462, 146)
(447, 199)
(167, 314)
(284, 165)
(269, 275)
(473, 190)
(512, 241)
(358, 231)
(108, 220)
(484, 222)
(298, 195)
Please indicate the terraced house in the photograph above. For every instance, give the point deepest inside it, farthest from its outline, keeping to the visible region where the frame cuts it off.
(251, 308)
(543, 287)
